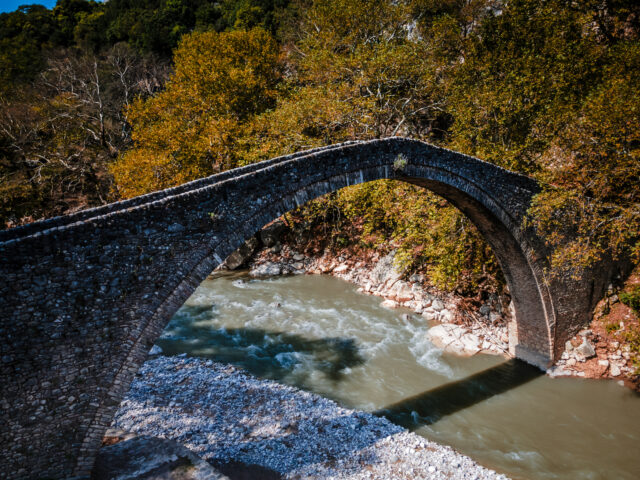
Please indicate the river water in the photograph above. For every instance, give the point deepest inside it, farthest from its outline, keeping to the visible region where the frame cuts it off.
(320, 334)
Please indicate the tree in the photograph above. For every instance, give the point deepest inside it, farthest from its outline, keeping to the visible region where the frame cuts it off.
(58, 136)
(192, 128)
(362, 71)
(595, 162)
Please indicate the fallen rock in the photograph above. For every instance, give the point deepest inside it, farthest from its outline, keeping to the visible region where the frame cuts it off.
(429, 315)
(437, 305)
(585, 349)
(266, 269)
(402, 291)
(242, 255)
(272, 233)
(341, 268)
(446, 315)
(558, 371)
(155, 350)
(454, 339)
(389, 304)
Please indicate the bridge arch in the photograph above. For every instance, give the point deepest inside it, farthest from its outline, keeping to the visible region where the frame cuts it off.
(89, 293)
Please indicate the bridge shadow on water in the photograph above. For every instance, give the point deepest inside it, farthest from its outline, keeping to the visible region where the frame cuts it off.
(268, 354)
(432, 405)
(292, 359)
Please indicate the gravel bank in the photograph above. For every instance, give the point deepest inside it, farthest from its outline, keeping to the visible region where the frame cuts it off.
(224, 415)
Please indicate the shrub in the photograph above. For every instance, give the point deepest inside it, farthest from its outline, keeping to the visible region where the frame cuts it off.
(632, 299)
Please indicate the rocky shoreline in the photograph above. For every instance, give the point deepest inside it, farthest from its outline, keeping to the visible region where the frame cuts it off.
(456, 331)
(190, 418)
(240, 424)
(490, 329)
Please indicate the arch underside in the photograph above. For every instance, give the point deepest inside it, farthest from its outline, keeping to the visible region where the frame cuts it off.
(532, 302)
(531, 299)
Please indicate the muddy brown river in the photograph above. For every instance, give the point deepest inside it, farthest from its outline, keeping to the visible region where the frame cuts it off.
(319, 334)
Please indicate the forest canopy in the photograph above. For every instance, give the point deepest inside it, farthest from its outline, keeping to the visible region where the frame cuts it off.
(105, 101)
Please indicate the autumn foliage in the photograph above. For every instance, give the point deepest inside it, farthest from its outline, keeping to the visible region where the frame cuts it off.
(548, 88)
(193, 128)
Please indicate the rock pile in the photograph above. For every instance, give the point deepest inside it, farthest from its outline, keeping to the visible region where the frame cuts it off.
(586, 355)
(462, 341)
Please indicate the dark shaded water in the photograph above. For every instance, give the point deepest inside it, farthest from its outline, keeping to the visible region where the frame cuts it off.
(319, 334)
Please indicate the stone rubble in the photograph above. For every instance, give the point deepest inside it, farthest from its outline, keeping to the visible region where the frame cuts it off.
(612, 359)
(225, 416)
(382, 279)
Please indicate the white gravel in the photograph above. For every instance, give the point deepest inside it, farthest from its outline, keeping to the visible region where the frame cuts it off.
(222, 414)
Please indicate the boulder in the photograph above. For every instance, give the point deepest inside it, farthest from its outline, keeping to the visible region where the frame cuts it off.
(402, 291)
(446, 316)
(429, 315)
(267, 269)
(242, 255)
(437, 305)
(585, 349)
(272, 233)
(558, 371)
(389, 304)
(155, 350)
(454, 339)
(341, 268)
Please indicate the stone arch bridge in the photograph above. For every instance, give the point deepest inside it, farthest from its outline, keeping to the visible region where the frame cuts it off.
(84, 296)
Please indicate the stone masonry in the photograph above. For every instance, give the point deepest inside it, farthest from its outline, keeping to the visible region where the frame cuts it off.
(84, 296)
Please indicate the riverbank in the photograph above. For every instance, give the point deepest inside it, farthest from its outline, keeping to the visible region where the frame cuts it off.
(229, 418)
(595, 352)
(460, 331)
(606, 348)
